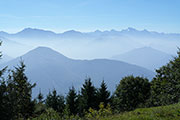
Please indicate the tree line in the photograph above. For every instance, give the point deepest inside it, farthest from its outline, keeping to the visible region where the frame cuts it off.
(132, 92)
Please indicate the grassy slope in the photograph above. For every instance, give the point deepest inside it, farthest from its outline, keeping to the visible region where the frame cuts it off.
(171, 112)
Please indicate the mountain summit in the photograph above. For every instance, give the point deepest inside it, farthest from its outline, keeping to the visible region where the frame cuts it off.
(45, 53)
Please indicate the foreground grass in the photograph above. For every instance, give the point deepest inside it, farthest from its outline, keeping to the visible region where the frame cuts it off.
(171, 112)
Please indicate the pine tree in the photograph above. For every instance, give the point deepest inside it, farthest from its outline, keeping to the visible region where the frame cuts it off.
(20, 89)
(55, 101)
(40, 97)
(15, 94)
(17, 102)
(3, 95)
(103, 95)
(88, 96)
(71, 101)
(5, 109)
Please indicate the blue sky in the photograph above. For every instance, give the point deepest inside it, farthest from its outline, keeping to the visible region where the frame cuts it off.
(90, 15)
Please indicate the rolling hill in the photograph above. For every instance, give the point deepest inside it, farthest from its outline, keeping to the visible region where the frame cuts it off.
(50, 69)
(5, 58)
(146, 57)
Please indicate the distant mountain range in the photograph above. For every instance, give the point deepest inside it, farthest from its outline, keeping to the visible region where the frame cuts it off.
(146, 57)
(40, 33)
(50, 69)
(88, 45)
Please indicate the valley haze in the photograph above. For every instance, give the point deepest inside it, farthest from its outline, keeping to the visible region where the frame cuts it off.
(68, 58)
(89, 45)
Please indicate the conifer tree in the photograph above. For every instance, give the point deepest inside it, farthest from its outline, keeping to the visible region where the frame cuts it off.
(55, 101)
(20, 90)
(6, 111)
(88, 98)
(71, 101)
(16, 91)
(4, 104)
(40, 97)
(103, 95)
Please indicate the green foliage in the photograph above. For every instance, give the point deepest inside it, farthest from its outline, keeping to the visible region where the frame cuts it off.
(21, 90)
(171, 112)
(49, 114)
(99, 114)
(71, 101)
(68, 116)
(40, 97)
(16, 101)
(131, 92)
(5, 108)
(166, 85)
(39, 109)
(55, 101)
(0, 51)
(88, 98)
(4, 105)
(103, 95)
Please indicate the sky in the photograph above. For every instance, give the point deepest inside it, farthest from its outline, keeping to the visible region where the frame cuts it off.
(90, 15)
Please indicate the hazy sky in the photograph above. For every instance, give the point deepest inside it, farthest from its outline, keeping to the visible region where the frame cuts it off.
(89, 15)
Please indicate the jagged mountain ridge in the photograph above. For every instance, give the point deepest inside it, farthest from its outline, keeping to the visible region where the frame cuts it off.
(39, 33)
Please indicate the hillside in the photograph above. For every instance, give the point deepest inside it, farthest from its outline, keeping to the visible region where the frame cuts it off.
(5, 58)
(50, 69)
(13, 48)
(171, 112)
(147, 57)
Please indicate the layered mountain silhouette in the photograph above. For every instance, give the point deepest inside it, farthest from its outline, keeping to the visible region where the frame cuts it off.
(50, 69)
(40, 33)
(146, 57)
(12, 48)
(90, 45)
